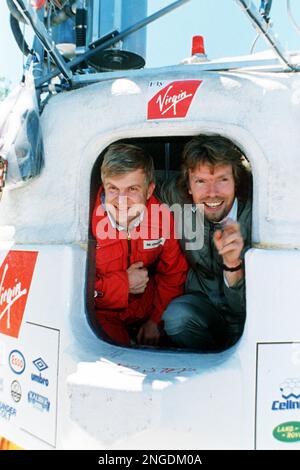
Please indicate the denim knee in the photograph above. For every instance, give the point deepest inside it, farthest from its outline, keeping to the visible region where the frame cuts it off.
(176, 317)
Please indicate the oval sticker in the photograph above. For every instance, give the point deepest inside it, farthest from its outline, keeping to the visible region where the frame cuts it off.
(287, 432)
(17, 362)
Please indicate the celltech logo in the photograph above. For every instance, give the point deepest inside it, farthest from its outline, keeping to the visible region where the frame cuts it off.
(290, 393)
(173, 100)
(16, 274)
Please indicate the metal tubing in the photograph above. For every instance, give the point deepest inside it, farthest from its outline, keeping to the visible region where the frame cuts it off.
(31, 17)
(270, 65)
(251, 11)
(132, 29)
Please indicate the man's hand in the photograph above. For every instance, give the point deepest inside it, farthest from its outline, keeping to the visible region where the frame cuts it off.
(137, 277)
(149, 334)
(229, 244)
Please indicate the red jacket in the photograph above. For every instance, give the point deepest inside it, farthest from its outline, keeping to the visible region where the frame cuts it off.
(149, 243)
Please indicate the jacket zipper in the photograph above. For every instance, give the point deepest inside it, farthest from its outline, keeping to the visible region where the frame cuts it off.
(129, 249)
(211, 252)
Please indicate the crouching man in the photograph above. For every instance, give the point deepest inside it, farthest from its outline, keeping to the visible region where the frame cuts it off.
(216, 180)
(139, 264)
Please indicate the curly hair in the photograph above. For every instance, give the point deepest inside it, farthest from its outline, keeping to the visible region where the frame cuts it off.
(216, 150)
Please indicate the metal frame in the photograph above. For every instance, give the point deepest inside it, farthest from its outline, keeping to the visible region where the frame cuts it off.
(262, 26)
(110, 42)
(31, 17)
(258, 21)
(270, 65)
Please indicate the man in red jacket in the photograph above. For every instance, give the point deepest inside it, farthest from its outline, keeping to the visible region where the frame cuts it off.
(139, 264)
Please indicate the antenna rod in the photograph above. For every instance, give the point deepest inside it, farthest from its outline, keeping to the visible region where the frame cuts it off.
(110, 42)
(259, 23)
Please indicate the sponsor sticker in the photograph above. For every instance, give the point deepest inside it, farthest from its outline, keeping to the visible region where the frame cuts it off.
(287, 432)
(40, 365)
(290, 395)
(38, 401)
(7, 411)
(16, 274)
(171, 100)
(17, 362)
(277, 396)
(16, 391)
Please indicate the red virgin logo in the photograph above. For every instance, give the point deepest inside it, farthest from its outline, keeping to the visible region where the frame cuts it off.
(16, 274)
(174, 100)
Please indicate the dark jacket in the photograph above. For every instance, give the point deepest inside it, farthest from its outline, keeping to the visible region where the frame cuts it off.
(206, 274)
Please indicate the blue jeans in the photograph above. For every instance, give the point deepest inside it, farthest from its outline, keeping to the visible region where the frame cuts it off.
(192, 321)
